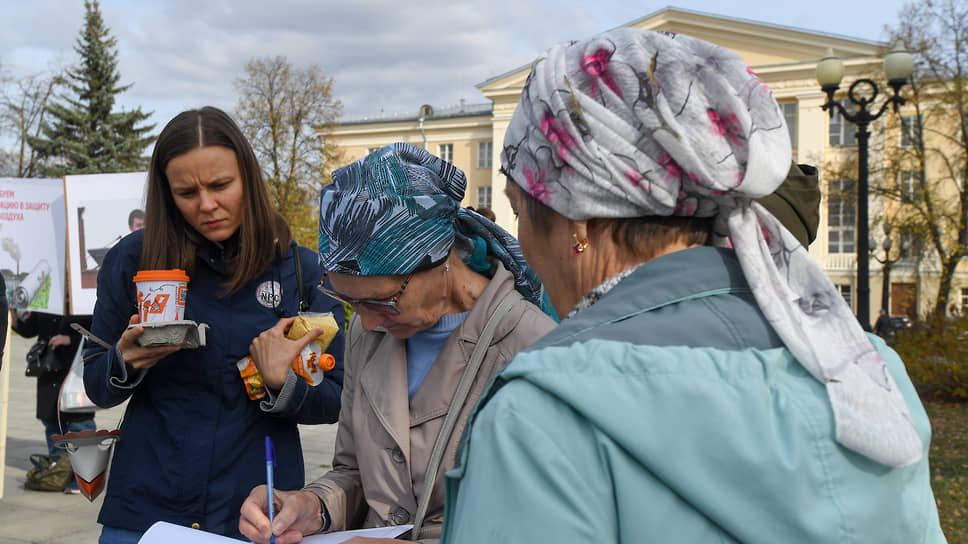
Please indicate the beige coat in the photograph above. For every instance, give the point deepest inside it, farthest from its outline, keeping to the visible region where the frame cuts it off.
(384, 441)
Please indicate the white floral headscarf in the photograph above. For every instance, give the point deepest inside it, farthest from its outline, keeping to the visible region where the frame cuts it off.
(635, 123)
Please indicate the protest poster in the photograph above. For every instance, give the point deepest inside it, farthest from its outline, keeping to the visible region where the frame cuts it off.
(101, 209)
(32, 238)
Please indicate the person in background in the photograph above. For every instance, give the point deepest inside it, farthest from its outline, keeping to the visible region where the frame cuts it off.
(136, 220)
(796, 203)
(486, 212)
(56, 332)
(882, 325)
(424, 277)
(4, 318)
(693, 392)
(192, 440)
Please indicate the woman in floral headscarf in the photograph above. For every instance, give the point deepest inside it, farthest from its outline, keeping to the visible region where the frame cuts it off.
(694, 393)
(442, 299)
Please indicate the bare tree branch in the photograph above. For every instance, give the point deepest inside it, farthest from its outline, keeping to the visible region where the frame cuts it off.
(23, 105)
(283, 109)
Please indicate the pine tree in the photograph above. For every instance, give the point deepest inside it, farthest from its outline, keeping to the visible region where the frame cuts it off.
(83, 134)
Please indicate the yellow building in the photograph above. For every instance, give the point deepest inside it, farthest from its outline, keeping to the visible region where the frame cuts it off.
(470, 136)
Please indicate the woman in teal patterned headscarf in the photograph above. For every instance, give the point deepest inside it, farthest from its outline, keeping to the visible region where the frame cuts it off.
(425, 278)
(397, 211)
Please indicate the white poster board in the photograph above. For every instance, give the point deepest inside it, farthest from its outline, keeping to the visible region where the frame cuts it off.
(32, 233)
(98, 210)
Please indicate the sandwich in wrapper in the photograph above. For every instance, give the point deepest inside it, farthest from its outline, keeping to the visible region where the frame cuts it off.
(311, 363)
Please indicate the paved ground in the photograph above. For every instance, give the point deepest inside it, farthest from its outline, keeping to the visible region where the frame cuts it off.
(39, 517)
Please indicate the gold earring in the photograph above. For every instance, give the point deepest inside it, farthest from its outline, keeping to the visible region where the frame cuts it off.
(580, 245)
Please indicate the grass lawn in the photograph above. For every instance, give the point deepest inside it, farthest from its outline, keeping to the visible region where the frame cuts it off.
(949, 466)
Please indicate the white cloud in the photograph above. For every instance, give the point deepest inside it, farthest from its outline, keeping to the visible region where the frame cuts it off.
(383, 55)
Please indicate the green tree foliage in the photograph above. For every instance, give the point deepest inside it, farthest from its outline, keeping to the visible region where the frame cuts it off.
(934, 354)
(83, 133)
(286, 113)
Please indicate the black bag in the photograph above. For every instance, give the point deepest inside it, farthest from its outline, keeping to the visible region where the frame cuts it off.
(42, 360)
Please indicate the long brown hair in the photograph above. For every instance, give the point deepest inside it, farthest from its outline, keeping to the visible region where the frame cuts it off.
(170, 242)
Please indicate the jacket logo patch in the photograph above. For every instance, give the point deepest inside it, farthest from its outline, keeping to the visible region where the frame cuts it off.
(269, 294)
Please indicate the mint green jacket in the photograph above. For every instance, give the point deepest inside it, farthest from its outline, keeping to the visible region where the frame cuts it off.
(669, 412)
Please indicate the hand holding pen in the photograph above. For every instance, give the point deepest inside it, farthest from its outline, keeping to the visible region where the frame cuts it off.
(299, 511)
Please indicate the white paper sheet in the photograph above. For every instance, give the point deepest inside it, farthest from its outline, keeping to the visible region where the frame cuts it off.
(163, 532)
(343, 536)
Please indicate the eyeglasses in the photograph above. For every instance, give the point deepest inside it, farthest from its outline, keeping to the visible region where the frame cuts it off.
(384, 306)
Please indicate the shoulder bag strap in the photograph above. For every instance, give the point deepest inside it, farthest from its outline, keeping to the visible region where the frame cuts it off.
(453, 411)
(303, 303)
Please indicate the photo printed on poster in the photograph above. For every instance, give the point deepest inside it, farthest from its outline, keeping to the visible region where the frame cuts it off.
(32, 238)
(101, 209)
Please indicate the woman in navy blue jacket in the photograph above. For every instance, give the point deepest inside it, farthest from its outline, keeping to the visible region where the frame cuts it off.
(192, 441)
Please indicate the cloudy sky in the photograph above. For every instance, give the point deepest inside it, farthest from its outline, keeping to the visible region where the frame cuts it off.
(384, 56)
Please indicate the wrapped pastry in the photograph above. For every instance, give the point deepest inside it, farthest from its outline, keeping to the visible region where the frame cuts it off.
(310, 364)
(313, 360)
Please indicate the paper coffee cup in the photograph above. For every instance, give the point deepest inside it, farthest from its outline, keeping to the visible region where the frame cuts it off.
(161, 294)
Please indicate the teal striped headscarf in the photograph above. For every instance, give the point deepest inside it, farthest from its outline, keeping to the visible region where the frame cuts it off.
(391, 212)
(397, 211)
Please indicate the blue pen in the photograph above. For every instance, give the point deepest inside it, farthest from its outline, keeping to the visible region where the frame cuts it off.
(270, 464)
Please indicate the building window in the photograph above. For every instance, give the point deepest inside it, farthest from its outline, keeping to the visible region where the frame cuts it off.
(845, 292)
(909, 183)
(484, 150)
(483, 197)
(910, 130)
(446, 152)
(790, 116)
(841, 217)
(910, 244)
(842, 132)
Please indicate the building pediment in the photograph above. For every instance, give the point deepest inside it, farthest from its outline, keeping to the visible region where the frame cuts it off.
(763, 46)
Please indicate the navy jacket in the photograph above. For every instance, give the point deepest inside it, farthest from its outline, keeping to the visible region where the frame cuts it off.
(191, 446)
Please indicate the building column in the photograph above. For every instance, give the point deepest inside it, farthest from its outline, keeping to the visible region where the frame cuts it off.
(499, 201)
(811, 142)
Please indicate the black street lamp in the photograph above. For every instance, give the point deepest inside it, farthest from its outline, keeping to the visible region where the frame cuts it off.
(887, 262)
(898, 66)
